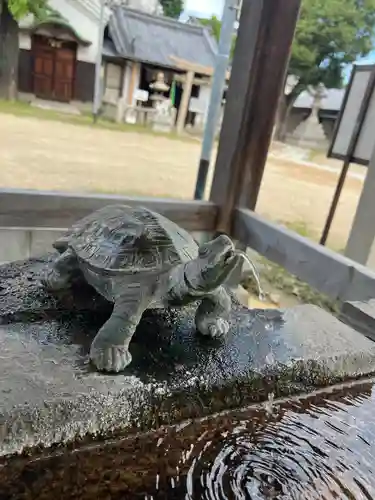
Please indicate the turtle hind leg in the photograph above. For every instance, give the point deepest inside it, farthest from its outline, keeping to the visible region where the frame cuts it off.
(109, 350)
(59, 274)
(212, 315)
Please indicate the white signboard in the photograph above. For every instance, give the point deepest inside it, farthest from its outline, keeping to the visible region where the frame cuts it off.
(197, 105)
(141, 95)
(349, 114)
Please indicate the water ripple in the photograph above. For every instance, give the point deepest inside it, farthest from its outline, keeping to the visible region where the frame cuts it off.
(313, 449)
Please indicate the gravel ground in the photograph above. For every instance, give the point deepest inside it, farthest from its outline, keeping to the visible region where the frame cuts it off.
(51, 155)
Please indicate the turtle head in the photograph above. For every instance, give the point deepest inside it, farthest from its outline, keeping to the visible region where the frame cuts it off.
(215, 262)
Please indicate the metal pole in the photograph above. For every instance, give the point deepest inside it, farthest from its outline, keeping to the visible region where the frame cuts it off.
(98, 65)
(218, 82)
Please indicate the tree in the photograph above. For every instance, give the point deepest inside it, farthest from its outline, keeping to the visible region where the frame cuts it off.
(214, 25)
(11, 11)
(172, 8)
(329, 35)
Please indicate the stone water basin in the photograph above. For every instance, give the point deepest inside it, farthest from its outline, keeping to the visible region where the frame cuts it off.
(69, 432)
(319, 446)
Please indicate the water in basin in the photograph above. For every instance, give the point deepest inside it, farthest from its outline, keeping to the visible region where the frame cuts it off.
(314, 448)
(321, 446)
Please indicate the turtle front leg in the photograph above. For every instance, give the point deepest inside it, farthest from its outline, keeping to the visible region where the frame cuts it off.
(212, 315)
(109, 350)
(211, 318)
(59, 275)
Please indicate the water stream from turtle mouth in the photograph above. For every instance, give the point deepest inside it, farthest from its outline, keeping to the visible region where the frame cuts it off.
(255, 273)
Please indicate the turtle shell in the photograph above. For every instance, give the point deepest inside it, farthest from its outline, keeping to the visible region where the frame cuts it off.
(128, 239)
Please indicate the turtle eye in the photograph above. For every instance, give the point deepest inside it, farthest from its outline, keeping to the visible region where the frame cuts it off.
(203, 251)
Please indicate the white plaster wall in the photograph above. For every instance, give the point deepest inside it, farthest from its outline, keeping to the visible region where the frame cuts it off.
(24, 41)
(84, 23)
(83, 15)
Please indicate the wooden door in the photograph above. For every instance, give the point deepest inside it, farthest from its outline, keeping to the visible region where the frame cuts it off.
(64, 73)
(54, 65)
(43, 71)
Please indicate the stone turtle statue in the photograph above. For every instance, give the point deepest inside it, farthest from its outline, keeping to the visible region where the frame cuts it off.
(138, 259)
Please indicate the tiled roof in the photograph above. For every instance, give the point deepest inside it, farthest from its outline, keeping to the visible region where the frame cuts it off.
(154, 39)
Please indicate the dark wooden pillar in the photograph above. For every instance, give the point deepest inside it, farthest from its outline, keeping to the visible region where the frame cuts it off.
(260, 62)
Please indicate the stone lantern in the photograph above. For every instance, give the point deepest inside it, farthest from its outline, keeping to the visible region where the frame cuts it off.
(158, 87)
(164, 116)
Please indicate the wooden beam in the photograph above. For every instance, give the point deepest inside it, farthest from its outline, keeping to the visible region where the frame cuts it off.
(196, 81)
(261, 57)
(184, 104)
(24, 208)
(325, 270)
(185, 65)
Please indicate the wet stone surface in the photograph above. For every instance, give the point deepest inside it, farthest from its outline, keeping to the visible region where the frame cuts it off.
(50, 395)
(22, 298)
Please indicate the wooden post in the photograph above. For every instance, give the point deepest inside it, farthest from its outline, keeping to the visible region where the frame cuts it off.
(184, 104)
(360, 246)
(134, 79)
(260, 61)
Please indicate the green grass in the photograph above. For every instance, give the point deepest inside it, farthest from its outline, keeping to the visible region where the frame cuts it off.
(23, 109)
